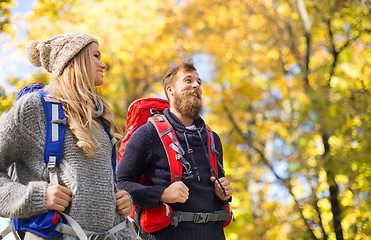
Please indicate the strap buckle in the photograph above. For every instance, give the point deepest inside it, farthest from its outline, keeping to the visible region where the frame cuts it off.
(60, 121)
(52, 164)
(97, 236)
(201, 218)
(175, 219)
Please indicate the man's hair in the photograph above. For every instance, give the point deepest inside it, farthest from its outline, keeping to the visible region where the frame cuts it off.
(171, 73)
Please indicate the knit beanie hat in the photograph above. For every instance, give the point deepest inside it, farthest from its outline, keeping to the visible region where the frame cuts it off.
(55, 53)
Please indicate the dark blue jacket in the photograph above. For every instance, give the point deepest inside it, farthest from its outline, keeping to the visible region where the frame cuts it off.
(145, 154)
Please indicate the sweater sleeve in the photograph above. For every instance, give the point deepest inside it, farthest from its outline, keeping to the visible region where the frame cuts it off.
(134, 163)
(21, 142)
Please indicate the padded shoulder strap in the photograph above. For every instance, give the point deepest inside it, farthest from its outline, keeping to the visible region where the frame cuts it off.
(171, 145)
(212, 151)
(55, 127)
(114, 153)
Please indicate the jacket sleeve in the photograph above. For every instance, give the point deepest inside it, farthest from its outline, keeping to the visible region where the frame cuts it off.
(21, 142)
(134, 163)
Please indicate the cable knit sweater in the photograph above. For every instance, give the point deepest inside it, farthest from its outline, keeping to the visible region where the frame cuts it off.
(145, 154)
(22, 136)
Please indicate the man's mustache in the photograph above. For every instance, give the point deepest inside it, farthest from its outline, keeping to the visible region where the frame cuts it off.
(192, 92)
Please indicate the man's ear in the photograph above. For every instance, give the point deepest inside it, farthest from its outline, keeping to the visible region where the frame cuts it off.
(170, 90)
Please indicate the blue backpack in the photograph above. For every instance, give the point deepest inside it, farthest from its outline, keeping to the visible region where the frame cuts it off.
(45, 224)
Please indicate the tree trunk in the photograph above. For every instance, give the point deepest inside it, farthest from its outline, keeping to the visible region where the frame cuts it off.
(335, 208)
(334, 191)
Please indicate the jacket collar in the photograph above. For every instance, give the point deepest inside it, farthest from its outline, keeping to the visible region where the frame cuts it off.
(179, 126)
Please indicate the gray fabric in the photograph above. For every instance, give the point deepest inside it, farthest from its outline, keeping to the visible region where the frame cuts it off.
(22, 136)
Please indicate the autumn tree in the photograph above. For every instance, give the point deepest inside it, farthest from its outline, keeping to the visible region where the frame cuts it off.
(5, 29)
(286, 87)
(291, 94)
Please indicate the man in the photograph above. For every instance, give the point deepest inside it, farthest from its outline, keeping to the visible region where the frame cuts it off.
(198, 191)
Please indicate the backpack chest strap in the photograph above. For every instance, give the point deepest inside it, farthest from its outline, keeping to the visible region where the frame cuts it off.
(74, 229)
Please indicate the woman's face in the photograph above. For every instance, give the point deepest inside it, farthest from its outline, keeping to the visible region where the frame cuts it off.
(99, 65)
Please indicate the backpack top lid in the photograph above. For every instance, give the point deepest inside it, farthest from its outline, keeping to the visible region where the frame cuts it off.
(30, 88)
(138, 113)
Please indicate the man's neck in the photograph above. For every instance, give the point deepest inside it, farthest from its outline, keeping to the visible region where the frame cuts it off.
(187, 121)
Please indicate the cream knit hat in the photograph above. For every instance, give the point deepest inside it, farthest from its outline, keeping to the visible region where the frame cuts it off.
(55, 53)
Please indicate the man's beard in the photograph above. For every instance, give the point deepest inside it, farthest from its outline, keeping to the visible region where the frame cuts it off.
(188, 105)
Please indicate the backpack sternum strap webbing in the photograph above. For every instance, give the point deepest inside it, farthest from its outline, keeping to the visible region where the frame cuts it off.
(74, 229)
(5, 232)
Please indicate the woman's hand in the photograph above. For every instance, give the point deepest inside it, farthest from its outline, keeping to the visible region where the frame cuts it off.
(57, 197)
(123, 202)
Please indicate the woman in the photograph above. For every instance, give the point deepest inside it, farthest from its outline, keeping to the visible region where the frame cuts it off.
(86, 181)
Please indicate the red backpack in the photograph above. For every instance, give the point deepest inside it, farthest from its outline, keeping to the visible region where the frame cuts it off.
(138, 113)
(141, 111)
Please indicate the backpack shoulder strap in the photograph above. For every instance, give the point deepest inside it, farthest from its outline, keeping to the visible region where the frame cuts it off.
(55, 127)
(212, 151)
(114, 152)
(172, 147)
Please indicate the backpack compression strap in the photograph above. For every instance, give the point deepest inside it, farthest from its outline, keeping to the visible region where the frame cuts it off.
(171, 144)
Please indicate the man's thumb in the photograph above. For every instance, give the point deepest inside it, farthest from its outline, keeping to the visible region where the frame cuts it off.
(212, 179)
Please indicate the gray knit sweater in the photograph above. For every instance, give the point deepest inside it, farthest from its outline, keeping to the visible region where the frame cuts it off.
(22, 136)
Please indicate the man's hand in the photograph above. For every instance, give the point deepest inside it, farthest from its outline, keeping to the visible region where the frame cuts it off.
(219, 191)
(57, 197)
(176, 192)
(123, 202)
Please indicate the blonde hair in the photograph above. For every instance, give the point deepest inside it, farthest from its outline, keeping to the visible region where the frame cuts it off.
(75, 88)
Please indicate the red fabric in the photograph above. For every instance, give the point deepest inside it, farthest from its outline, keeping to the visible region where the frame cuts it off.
(138, 114)
(212, 156)
(176, 167)
(55, 218)
(155, 219)
(131, 216)
(229, 209)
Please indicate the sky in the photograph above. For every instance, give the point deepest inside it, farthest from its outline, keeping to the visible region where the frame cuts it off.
(13, 62)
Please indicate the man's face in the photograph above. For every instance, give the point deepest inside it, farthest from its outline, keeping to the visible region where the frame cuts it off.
(187, 93)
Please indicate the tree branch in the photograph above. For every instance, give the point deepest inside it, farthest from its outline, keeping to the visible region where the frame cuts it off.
(325, 237)
(285, 182)
(335, 52)
(334, 192)
(307, 29)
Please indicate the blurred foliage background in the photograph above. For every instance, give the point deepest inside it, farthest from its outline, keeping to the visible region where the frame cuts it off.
(287, 88)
